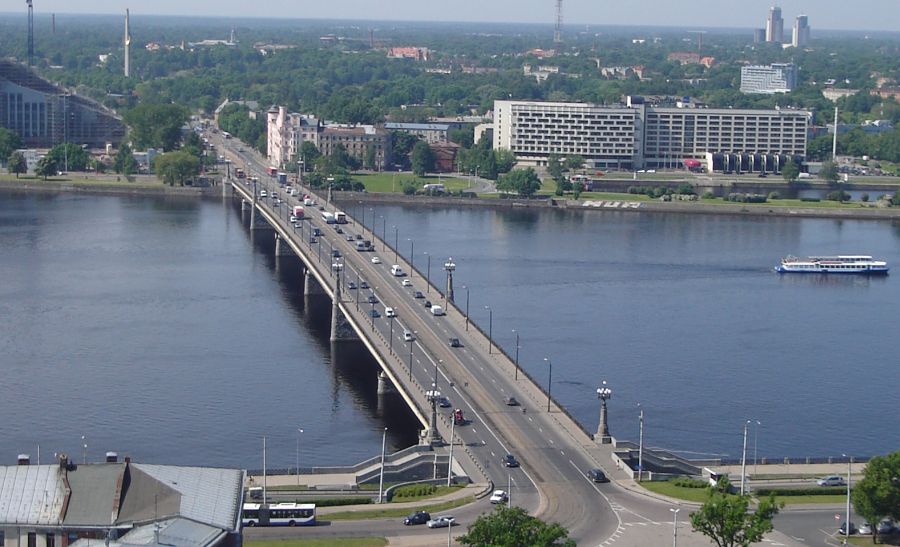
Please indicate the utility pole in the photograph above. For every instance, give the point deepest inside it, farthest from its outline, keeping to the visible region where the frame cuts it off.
(834, 142)
(744, 459)
(641, 449)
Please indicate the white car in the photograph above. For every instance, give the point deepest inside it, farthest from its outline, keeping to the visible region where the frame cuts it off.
(376, 260)
(389, 312)
(499, 496)
(407, 283)
(831, 480)
(263, 193)
(408, 336)
(442, 521)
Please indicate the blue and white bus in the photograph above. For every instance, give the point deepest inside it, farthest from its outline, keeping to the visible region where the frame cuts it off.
(328, 217)
(279, 514)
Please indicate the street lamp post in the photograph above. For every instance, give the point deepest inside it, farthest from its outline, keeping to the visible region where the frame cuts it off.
(383, 234)
(640, 448)
(755, 438)
(744, 459)
(675, 527)
(83, 450)
(847, 522)
(372, 313)
(299, 431)
(449, 266)
(517, 342)
(549, 381)
(412, 256)
(411, 344)
(391, 337)
(381, 476)
(357, 290)
(396, 243)
(428, 272)
(467, 307)
(604, 393)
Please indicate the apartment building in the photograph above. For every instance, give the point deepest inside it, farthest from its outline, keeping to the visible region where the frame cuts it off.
(768, 79)
(639, 136)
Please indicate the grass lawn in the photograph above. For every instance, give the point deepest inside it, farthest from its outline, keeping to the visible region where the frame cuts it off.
(398, 512)
(89, 179)
(319, 542)
(823, 498)
(825, 204)
(393, 182)
(440, 491)
(667, 488)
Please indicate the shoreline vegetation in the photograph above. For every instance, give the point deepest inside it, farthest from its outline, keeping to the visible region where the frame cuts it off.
(607, 201)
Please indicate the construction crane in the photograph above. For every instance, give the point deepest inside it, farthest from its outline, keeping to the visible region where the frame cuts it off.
(30, 33)
(699, 34)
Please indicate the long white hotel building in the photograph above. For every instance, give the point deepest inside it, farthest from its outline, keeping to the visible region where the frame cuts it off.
(639, 136)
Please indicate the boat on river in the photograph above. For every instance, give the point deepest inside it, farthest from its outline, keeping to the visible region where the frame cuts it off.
(841, 264)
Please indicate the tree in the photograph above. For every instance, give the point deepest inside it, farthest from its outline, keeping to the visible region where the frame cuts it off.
(790, 171)
(574, 162)
(69, 156)
(46, 167)
(489, 166)
(829, 172)
(523, 181)
(176, 166)
(309, 153)
(371, 162)
(877, 495)
(156, 125)
(506, 160)
(422, 159)
(577, 187)
(17, 164)
(9, 142)
(514, 527)
(403, 144)
(125, 162)
(724, 519)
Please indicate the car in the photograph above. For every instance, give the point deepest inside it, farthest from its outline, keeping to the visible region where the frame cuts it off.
(511, 401)
(339, 230)
(358, 236)
(885, 527)
(419, 517)
(865, 529)
(407, 283)
(376, 260)
(418, 294)
(263, 194)
(313, 240)
(444, 402)
(317, 231)
(351, 285)
(335, 253)
(293, 218)
(597, 475)
(408, 336)
(510, 461)
(454, 343)
(499, 496)
(843, 529)
(389, 312)
(831, 480)
(428, 303)
(373, 299)
(363, 285)
(321, 208)
(296, 224)
(349, 238)
(374, 313)
(441, 522)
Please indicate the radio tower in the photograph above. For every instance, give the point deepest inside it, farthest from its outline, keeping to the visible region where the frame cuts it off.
(127, 47)
(30, 33)
(557, 34)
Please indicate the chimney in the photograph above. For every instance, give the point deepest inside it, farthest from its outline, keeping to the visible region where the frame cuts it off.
(23, 459)
(63, 461)
(127, 459)
(112, 457)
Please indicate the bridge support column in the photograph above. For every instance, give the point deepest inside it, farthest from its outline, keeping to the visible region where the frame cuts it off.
(383, 386)
(282, 248)
(310, 285)
(336, 315)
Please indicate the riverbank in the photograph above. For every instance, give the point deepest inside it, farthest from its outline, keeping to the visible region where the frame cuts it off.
(100, 184)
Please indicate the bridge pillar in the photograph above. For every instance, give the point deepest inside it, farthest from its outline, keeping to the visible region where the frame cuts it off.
(253, 210)
(282, 248)
(383, 386)
(310, 285)
(340, 327)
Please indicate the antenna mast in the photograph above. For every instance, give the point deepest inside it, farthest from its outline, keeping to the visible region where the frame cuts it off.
(30, 33)
(557, 34)
(127, 47)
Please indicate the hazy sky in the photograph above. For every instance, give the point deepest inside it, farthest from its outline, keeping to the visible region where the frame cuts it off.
(829, 14)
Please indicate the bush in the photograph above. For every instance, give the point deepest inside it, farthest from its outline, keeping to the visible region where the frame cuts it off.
(415, 491)
(745, 198)
(685, 189)
(896, 199)
(810, 199)
(774, 195)
(336, 502)
(687, 482)
(838, 195)
(817, 491)
(708, 195)
(864, 197)
(409, 188)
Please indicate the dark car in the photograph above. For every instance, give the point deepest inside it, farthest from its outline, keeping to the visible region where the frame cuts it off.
(454, 343)
(428, 303)
(363, 285)
(374, 313)
(312, 239)
(418, 294)
(511, 401)
(351, 285)
(317, 232)
(444, 402)
(372, 299)
(335, 253)
(843, 529)
(419, 517)
(359, 236)
(597, 475)
(349, 238)
(339, 230)
(510, 461)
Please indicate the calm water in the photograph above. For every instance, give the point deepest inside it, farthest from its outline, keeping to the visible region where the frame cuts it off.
(161, 329)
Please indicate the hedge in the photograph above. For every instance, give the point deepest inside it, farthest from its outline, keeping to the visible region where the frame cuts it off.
(818, 491)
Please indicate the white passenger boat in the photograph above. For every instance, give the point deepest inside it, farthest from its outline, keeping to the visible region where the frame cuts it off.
(844, 264)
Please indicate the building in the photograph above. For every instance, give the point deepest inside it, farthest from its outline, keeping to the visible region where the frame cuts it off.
(800, 36)
(286, 134)
(44, 115)
(638, 135)
(414, 53)
(759, 35)
(887, 92)
(835, 93)
(768, 79)
(432, 133)
(774, 26)
(119, 504)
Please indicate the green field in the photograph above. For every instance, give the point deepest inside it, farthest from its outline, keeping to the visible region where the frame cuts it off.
(88, 179)
(667, 488)
(822, 498)
(393, 182)
(322, 542)
(439, 491)
(397, 512)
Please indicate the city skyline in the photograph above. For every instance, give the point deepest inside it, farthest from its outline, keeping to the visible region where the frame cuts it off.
(872, 15)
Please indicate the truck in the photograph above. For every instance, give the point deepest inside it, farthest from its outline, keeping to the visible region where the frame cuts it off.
(271, 171)
(397, 271)
(437, 310)
(340, 217)
(434, 189)
(298, 211)
(365, 245)
(328, 217)
(282, 178)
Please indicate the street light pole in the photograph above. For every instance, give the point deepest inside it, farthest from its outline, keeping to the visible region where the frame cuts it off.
(604, 393)
(449, 266)
(744, 458)
(412, 256)
(381, 477)
(396, 243)
(641, 449)
(383, 234)
(490, 328)
(517, 344)
(467, 307)
(411, 344)
(675, 527)
(391, 342)
(847, 522)
(549, 381)
(299, 431)
(450, 462)
(755, 438)
(428, 283)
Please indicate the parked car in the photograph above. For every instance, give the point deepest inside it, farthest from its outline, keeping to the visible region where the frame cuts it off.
(499, 496)
(510, 461)
(454, 343)
(843, 528)
(885, 527)
(419, 517)
(407, 283)
(597, 475)
(865, 529)
(376, 260)
(511, 401)
(831, 480)
(441, 522)
(418, 294)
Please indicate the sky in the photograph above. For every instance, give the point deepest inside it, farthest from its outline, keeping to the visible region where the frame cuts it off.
(873, 15)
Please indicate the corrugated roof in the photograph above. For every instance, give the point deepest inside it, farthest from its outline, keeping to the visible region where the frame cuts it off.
(180, 532)
(31, 494)
(208, 495)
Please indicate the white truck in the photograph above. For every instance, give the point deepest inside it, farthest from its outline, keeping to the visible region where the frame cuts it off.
(397, 271)
(437, 310)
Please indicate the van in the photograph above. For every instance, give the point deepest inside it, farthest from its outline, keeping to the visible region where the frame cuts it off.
(437, 310)
(255, 492)
(397, 271)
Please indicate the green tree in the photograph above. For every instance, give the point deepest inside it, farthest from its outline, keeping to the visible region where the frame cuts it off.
(371, 161)
(69, 156)
(725, 519)
(506, 160)
(574, 162)
(125, 162)
(488, 168)
(17, 164)
(409, 189)
(46, 167)
(309, 153)
(877, 495)
(403, 144)
(422, 159)
(830, 172)
(514, 527)
(577, 187)
(790, 171)
(178, 166)
(156, 125)
(9, 142)
(464, 137)
(555, 167)
(523, 181)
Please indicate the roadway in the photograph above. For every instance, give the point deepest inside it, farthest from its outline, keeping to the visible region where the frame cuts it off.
(551, 482)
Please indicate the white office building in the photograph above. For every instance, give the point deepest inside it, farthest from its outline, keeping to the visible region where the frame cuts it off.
(769, 79)
(639, 136)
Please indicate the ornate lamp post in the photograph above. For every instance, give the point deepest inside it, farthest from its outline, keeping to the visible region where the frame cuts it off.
(604, 394)
(433, 396)
(449, 266)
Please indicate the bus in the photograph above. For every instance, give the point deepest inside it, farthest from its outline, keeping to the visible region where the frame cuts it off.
(271, 171)
(279, 514)
(328, 217)
(340, 217)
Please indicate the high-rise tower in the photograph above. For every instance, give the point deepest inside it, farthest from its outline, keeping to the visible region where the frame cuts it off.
(30, 33)
(557, 33)
(127, 47)
(774, 25)
(800, 37)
